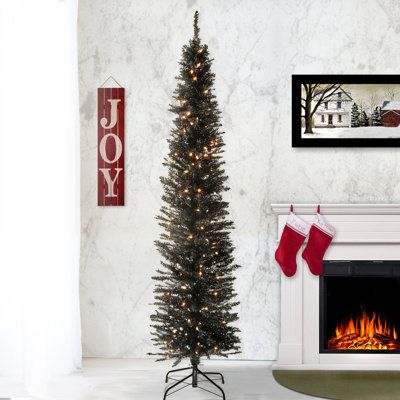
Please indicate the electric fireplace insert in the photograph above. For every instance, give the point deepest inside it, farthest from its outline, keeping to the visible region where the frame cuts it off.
(360, 307)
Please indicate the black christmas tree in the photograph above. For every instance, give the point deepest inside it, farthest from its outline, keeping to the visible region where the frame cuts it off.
(194, 289)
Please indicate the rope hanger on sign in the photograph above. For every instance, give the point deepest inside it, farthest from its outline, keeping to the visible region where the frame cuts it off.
(110, 78)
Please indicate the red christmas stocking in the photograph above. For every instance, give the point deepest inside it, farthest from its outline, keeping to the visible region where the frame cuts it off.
(321, 234)
(293, 236)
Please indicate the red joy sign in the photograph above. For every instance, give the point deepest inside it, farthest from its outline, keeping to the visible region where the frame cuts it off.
(110, 173)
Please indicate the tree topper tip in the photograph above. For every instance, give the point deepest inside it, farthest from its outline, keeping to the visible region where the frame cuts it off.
(196, 25)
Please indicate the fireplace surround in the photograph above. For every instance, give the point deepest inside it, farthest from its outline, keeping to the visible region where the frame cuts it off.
(365, 251)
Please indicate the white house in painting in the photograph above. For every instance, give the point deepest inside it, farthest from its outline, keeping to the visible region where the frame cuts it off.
(334, 112)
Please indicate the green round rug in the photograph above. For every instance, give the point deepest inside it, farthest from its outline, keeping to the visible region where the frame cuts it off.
(342, 385)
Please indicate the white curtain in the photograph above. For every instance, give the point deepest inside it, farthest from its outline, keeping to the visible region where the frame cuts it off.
(39, 191)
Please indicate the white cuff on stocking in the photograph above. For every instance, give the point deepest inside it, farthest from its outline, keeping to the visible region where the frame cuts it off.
(297, 224)
(321, 223)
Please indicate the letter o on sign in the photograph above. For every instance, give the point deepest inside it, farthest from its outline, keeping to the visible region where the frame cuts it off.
(118, 148)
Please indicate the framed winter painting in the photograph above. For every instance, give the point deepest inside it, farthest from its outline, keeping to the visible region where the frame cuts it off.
(345, 110)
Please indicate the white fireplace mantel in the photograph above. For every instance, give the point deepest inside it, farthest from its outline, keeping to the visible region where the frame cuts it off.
(363, 232)
(339, 209)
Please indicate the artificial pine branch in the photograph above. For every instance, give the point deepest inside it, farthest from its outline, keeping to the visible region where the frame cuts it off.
(194, 291)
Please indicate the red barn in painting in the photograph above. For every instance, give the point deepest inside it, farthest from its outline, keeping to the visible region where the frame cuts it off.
(391, 113)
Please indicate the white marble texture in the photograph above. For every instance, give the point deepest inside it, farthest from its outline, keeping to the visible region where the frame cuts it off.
(257, 46)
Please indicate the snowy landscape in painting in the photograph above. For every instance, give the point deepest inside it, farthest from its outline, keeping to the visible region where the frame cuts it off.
(367, 132)
(350, 111)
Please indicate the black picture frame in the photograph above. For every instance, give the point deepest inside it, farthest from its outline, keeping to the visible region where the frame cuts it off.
(298, 141)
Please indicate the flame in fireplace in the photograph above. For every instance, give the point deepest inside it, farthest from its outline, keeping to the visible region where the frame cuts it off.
(366, 325)
(364, 332)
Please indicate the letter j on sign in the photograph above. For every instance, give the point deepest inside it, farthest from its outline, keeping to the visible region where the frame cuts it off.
(111, 170)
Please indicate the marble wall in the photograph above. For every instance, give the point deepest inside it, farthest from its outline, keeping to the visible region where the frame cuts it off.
(257, 46)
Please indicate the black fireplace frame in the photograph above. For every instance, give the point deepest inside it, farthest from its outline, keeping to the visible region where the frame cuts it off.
(359, 268)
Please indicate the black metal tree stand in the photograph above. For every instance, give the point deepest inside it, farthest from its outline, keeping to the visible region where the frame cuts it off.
(194, 375)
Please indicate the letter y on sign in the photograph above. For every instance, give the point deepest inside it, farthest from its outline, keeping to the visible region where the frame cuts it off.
(110, 153)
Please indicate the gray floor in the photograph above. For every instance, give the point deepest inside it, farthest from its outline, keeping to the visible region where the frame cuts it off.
(133, 379)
